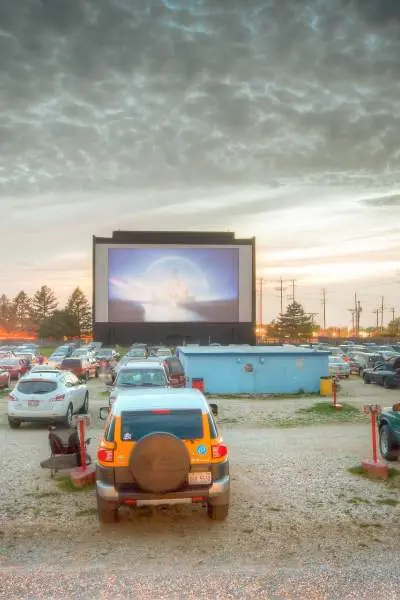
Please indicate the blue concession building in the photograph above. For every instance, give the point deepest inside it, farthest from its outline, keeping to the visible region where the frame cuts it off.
(253, 369)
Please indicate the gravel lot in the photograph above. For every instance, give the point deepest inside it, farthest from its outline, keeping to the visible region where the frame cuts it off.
(300, 525)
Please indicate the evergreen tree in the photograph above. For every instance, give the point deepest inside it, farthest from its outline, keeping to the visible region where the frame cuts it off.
(58, 325)
(21, 310)
(44, 303)
(294, 324)
(5, 312)
(78, 307)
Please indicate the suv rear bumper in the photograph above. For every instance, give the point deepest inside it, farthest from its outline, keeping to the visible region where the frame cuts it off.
(217, 493)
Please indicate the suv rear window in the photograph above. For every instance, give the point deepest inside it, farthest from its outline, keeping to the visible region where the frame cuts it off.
(36, 387)
(185, 424)
(72, 362)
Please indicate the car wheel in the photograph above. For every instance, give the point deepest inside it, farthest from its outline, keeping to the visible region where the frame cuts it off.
(107, 512)
(85, 406)
(14, 423)
(386, 383)
(366, 379)
(218, 512)
(68, 417)
(386, 447)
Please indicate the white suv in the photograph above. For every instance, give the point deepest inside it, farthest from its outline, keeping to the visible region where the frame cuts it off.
(47, 396)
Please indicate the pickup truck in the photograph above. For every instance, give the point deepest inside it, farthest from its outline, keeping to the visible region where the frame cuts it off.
(389, 432)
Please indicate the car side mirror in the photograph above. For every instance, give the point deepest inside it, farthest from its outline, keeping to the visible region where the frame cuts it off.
(214, 409)
(103, 412)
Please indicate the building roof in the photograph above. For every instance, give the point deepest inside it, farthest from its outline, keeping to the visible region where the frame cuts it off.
(244, 350)
(160, 398)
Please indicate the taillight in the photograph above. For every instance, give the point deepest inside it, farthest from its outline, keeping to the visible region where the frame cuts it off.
(219, 451)
(105, 455)
(60, 398)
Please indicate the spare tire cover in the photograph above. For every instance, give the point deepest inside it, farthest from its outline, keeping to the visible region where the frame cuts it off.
(160, 463)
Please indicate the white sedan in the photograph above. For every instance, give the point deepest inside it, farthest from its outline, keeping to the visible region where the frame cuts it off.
(338, 367)
(47, 396)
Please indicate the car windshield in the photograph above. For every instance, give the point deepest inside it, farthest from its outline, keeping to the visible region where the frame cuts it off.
(138, 353)
(141, 378)
(105, 353)
(184, 424)
(36, 386)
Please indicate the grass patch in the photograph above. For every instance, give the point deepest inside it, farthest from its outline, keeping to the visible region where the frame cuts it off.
(44, 494)
(65, 485)
(357, 500)
(105, 393)
(87, 512)
(388, 502)
(319, 414)
(393, 480)
(259, 397)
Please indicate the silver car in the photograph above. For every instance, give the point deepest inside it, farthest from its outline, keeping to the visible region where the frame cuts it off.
(338, 367)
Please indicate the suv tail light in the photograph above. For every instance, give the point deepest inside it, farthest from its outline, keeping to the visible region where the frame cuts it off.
(219, 451)
(60, 397)
(105, 455)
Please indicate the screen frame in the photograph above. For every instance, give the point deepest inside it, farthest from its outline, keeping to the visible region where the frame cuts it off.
(179, 239)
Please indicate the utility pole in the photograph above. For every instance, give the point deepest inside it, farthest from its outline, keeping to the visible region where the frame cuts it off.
(376, 312)
(382, 311)
(324, 308)
(281, 289)
(393, 311)
(359, 311)
(293, 295)
(353, 313)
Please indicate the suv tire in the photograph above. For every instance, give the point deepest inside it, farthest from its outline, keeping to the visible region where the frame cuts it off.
(386, 383)
(14, 423)
(366, 378)
(85, 406)
(160, 463)
(219, 512)
(386, 447)
(107, 512)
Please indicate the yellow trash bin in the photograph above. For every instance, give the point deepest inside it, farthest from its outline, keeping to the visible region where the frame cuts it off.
(325, 386)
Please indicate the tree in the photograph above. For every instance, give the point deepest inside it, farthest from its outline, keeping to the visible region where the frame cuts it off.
(44, 303)
(5, 313)
(58, 325)
(78, 306)
(21, 310)
(393, 328)
(294, 323)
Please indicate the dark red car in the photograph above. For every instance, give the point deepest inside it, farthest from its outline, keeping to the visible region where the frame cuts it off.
(5, 379)
(16, 367)
(175, 371)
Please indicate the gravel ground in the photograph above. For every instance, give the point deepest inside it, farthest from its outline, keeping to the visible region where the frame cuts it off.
(300, 525)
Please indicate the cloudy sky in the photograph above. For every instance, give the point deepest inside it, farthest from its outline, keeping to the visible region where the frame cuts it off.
(273, 118)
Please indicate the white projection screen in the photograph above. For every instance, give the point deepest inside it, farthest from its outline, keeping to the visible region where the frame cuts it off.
(150, 283)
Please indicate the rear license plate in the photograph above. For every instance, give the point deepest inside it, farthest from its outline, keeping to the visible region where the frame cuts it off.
(33, 402)
(202, 478)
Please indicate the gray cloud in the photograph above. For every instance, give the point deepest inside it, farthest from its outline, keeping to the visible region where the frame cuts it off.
(393, 200)
(106, 94)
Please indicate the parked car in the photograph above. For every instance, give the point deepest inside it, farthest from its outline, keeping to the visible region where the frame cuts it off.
(16, 367)
(107, 357)
(161, 352)
(386, 374)
(175, 371)
(355, 368)
(174, 431)
(5, 379)
(81, 367)
(56, 359)
(389, 432)
(53, 397)
(139, 375)
(136, 354)
(338, 367)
